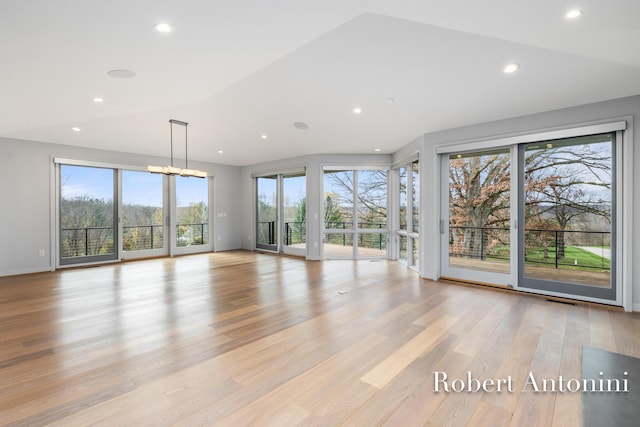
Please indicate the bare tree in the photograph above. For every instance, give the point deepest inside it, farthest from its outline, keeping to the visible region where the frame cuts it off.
(478, 198)
(372, 194)
(563, 183)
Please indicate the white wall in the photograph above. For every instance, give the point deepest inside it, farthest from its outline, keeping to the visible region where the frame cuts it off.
(566, 118)
(25, 189)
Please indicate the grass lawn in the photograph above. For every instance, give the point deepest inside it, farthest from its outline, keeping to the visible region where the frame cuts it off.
(535, 256)
(571, 255)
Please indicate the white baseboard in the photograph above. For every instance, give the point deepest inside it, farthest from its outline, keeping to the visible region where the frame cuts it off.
(25, 271)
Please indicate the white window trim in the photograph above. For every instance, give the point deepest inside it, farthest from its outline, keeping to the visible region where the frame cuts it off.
(568, 132)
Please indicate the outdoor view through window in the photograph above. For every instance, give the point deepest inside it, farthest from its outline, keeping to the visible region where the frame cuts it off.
(566, 202)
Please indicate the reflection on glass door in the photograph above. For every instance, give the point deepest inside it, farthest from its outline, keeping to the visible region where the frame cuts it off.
(142, 217)
(294, 214)
(192, 214)
(567, 207)
(88, 231)
(478, 245)
(267, 211)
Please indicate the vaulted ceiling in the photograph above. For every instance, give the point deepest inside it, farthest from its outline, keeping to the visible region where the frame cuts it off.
(240, 69)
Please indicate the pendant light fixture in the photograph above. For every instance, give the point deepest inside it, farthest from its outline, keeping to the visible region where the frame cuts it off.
(172, 170)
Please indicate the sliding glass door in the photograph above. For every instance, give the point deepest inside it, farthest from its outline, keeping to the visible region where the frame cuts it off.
(191, 225)
(476, 237)
(88, 225)
(567, 206)
(110, 213)
(281, 213)
(143, 214)
(267, 213)
(294, 214)
(562, 195)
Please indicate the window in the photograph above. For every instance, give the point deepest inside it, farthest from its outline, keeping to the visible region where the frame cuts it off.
(142, 211)
(355, 214)
(547, 223)
(87, 217)
(267, 222)
(109, 212)
(281, 212)
(567, 206)
(294, 211)
(192, 211)
(479, 210)
(408, 233)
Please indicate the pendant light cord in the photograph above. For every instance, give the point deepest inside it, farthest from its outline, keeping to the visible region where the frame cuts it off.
(171, 132)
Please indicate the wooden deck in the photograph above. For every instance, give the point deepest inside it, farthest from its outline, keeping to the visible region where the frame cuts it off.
(586, 277)
(240, 338)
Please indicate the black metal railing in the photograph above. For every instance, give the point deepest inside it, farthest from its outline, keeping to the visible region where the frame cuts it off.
(86, 241)
(365, 240)
(266, 233)
(295, 233)
(547, 247)
(142, 237)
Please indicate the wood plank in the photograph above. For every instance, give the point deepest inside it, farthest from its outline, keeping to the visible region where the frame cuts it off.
(238, 337)
(568, 408)
(601, 330)
(534, 408)
(422, 403)
(399, 360)
(487, 415)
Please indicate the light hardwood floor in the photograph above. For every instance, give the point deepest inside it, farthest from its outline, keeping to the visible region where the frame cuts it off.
(241, 338)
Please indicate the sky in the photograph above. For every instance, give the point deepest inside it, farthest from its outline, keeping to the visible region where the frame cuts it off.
(137, 187)
(295, 189)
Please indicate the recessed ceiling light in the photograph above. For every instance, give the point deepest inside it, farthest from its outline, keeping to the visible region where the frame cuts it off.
(511, 68)
(377, 149)
(263, 136)
(573, 14)
(357, 110)
(163, 27)
(121, 74)
(76, 129)
(220, 152)
(301, 125)
(98, 100)
(390, 100)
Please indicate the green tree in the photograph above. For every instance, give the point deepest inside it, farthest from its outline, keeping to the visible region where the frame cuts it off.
(87, 226)
(299, 224)
(333, 217)
(193, 221)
